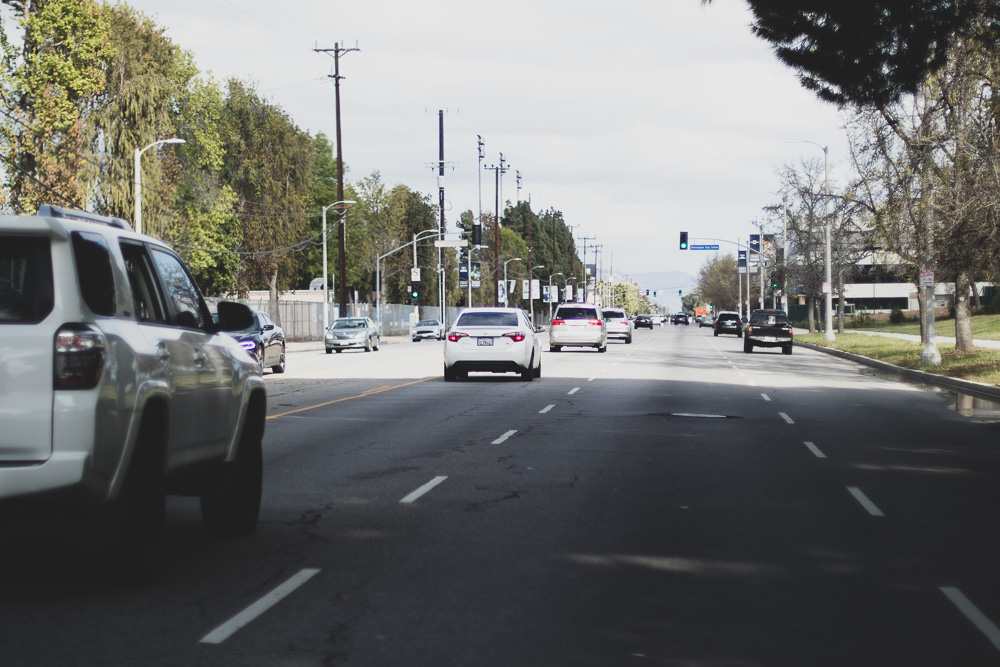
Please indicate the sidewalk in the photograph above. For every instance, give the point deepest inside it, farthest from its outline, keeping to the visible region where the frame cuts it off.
(978, 342)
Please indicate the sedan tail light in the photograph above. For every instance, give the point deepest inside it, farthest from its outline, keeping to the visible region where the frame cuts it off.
(79, 357)
(455, 335)
(516, 336)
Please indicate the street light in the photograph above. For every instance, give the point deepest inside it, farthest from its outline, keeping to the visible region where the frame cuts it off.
(378, 269)
(559, 273)
(138, 178)
(828, 272)
(326, 290)
(531, 292)
(506, 301)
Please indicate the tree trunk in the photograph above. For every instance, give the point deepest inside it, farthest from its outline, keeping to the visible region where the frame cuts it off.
(963, 313)
(812, 315)
(272, 290)
(840, 301)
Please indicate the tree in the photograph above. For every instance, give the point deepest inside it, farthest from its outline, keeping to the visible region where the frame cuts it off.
(64, 45)
(868, 52)
(718, 283)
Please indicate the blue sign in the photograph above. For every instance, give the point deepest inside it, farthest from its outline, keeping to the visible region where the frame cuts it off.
(704, 247)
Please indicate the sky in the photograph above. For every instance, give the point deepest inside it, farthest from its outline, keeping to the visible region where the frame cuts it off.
(637, 119)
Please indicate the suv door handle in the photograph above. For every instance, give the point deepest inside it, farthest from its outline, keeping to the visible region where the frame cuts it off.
(162, 352)
(199, 358)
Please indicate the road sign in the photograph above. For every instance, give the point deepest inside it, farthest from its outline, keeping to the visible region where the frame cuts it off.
(461, 243)
(415, 275)
(704, 247)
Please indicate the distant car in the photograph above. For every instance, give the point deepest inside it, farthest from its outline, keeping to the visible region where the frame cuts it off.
(706, 322)
(264, 340)
(427, 329)
(351, 333)
(768, 328)
(679, 318)
(492, 340)
(728, 322)
(644, 321)
(618, 324)
(578, 324)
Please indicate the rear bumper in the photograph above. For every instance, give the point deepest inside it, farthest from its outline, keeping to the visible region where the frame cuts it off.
(62, 472)
(768, 341)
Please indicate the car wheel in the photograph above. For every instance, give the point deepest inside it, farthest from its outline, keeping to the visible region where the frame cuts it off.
(280, 367)
(416, 340)
(528, 373)
(715, 333)
(368, 345)
(538, 371)
(377, 342)
(628, 341)
(747, 345)
(449, 374)
(338, 351)
(329, 351)
(602, 348)
(230, 507)
(258, 354)
(139, 513)
(786, 349)
(554, 348)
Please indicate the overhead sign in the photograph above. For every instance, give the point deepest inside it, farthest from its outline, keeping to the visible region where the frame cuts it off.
(704, 247)
(460, 243)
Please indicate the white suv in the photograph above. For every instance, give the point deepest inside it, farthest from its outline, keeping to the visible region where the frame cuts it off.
(580, 324)
(116, 386)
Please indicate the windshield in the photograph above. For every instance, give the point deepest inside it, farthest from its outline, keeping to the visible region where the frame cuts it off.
(487, 320)
(349, 324)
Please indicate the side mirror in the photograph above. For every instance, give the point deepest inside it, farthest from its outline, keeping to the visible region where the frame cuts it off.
(234, 316)
(268, 327)
(539, 328)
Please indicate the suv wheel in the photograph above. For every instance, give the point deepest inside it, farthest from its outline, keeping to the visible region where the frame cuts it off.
(231, 506)
(280, 367)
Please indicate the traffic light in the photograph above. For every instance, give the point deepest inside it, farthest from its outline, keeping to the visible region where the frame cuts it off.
(774, 281)
(654, 292)
(414, 291)
(647, 292)
(477, 234)
(678, 292)
(684, 240)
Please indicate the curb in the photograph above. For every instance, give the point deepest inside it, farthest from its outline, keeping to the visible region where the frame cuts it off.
(978, 389)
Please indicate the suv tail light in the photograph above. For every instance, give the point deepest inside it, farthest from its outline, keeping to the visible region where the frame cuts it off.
(454, 336)
(595, 322)
(79, 357)
(516, 336)
(556, 323)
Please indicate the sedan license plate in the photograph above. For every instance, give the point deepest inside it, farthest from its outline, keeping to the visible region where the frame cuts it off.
(484, 342)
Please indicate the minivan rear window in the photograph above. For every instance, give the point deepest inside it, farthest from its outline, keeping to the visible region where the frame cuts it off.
(573, 313)
(26, 295)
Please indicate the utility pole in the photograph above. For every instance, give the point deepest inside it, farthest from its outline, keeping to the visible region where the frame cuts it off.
(440, 267)
(497, 172)
(585, 279)
(341, 231)
(517, 174)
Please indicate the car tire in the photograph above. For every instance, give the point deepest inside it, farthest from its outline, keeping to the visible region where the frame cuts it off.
(230, 507)
(602, 348)
(416, 340)
(368, 345)
(338, 351)
(280, 367)
(528, 373)
(538, 371)
(139, 513)
(449, 375)
(715, 333)
(786, 349)
(554, 348)
(747, 346)
(329, 351)
(628, 341)
(377, 343)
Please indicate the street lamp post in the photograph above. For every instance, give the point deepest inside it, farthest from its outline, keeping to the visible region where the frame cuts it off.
(531, 292)
(326, 287)
(378, 270)
(559, 273)
(506, 301)
(138, 179)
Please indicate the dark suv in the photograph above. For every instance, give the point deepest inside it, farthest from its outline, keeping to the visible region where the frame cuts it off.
(118, 387)
(728, 322)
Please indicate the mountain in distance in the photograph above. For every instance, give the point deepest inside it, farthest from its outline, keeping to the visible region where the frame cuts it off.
(666, 284)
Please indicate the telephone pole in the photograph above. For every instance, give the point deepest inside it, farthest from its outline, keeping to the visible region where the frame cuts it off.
(497, 172)
(341, 228)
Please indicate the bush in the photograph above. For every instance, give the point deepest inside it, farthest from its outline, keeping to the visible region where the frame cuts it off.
(897, 316)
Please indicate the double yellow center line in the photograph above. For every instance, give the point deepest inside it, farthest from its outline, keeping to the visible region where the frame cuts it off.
(370, 392)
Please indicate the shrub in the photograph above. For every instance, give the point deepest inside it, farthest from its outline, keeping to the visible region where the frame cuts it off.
(897, 316)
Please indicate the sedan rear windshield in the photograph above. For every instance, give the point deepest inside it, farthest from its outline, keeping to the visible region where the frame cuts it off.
(487, 320)
(576, 314)
(612, 314)
(349, 324)
(26, 295)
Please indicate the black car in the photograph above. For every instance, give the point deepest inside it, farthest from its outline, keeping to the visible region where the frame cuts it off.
(265, 341)
(728, 322)
(644, 321)
(680, 318)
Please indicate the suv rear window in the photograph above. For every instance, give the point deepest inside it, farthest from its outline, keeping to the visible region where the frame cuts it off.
(614, 314)
(26, 295)
(727, 318)
(576, 313)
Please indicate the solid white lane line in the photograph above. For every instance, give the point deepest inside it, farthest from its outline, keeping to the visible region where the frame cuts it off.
(766, 397)
(591, 379)
(503, 437)
(786, 417)
(815, 450)
(224, 631)
(422, 490)
(573, 391)
(863, 499)
(545, 409)
(971, 611)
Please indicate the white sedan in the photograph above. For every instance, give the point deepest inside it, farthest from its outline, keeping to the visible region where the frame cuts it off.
(492, 340)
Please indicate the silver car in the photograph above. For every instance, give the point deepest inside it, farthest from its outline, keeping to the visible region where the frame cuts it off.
(618, 324)
(578, 324)
(427, 329)
(351, 333)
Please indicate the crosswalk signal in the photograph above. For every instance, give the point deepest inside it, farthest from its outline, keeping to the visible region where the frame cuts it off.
(684, 240)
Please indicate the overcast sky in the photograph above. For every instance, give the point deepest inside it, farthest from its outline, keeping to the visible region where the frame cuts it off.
(637, 119)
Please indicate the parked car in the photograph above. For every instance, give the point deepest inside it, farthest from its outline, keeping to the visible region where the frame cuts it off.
(679, 318)
(768, 328)
(119, 388)
(427, 329)
(617, 323)
(492, 340)
(351, 333)
(265, 341)
(578, 324)
(644, 321)
(728, 322)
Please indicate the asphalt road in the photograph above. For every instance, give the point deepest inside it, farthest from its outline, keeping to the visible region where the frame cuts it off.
(670, 502)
